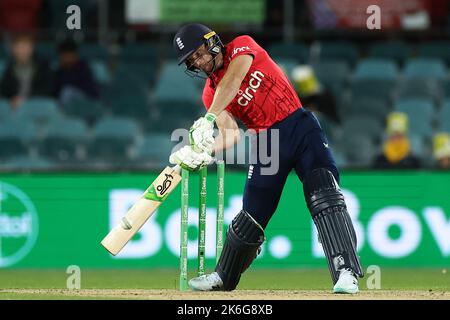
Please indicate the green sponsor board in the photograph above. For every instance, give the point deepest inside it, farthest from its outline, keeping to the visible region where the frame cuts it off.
(55, 220)
(217, 11)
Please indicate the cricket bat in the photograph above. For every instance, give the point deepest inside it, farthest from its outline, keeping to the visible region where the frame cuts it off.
(142, 210)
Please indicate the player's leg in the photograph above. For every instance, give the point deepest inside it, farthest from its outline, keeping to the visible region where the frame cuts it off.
(245, 234)
(317, 170)
(243, 240)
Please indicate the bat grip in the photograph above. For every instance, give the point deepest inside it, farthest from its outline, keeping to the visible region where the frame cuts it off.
(177, 169)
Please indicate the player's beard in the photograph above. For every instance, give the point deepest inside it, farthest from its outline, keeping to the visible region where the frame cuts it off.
(210, 65)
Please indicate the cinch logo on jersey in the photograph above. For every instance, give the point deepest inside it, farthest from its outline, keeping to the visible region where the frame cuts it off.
(180, 43)
(254, 83)
(237, 50)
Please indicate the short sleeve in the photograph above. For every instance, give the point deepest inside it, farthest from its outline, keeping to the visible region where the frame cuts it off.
(244, 45)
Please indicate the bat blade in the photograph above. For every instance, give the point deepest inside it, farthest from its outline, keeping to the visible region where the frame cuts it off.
(142, 210)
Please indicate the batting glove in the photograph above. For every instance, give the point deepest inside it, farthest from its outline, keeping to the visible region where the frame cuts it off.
(189, 159)
(201, 134)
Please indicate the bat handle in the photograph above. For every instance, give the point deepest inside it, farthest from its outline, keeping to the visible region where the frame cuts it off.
(177, 169)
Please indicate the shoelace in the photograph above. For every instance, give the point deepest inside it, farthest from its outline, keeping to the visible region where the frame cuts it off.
(211, 278)
(355, 281)
(214, 280)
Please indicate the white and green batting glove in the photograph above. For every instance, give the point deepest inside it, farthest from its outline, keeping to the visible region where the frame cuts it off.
(189, 159)
(201, 134)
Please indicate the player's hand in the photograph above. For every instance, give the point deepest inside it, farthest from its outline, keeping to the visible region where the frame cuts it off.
(201, 134)
(189, 159)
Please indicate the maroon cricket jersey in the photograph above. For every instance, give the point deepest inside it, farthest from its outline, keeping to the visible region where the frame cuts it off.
(265, 97)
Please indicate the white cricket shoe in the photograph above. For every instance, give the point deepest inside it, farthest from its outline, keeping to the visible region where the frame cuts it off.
(347, 282)
(207, 282)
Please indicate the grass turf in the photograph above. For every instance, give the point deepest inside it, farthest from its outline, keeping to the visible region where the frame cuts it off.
(256, 279)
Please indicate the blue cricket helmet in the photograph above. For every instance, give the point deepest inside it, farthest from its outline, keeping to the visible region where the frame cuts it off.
(191, 36)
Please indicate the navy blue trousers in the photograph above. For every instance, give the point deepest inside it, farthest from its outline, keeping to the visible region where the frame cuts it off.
(302, 146)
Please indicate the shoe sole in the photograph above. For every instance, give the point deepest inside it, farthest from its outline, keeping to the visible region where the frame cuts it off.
(342, 290)
(205, 290)
(193, 288)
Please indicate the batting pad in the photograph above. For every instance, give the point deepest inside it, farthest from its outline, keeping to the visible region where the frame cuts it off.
(244, 237)
(329, 212)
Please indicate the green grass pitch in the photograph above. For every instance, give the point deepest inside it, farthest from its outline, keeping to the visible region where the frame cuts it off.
(25, 284)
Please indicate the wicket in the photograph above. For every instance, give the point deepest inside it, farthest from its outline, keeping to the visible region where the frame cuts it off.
(203, 173)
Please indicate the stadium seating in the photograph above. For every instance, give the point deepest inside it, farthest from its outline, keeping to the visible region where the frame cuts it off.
(176, 97)
(420, 115)
(5, 110)
(374, 78)
(332, 72)
(93, 51)
(16, 137)
(374, 108)
(435, 49)
(64, 139)
(113, 139)
(376, 69)
(420, 146)
(101, 72)
(446, 88)
(138, 63)
(358, 149)
(133, 103)
(373, 88)
(154, 149)
(294, 51)
(420, 88)
(159, 123)
(444, 116)
(138, 52)
(364, 125)
(47, 51)
(394, 50)
(175, 86)
(40, 110)
(338, 51)
(339, 157)
(24, 162)
(85, 108)
(134, 73)
(428, 68)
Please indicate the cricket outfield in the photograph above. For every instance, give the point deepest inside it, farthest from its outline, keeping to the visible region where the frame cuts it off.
(260, 284)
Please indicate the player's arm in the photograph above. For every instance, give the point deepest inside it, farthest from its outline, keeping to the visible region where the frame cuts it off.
(229, 133)
(231, 82)
(201, 133)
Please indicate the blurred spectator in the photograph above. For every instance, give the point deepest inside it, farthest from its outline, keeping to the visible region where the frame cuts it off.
(20, 15)
(439, 10)
(441, 150)
(396, 150)
(74, 76)
(313, 95)
(273, 20)
(26, 74)
(275, 14)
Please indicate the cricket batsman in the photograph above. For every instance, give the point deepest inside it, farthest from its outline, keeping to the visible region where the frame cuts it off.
(243, 82)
